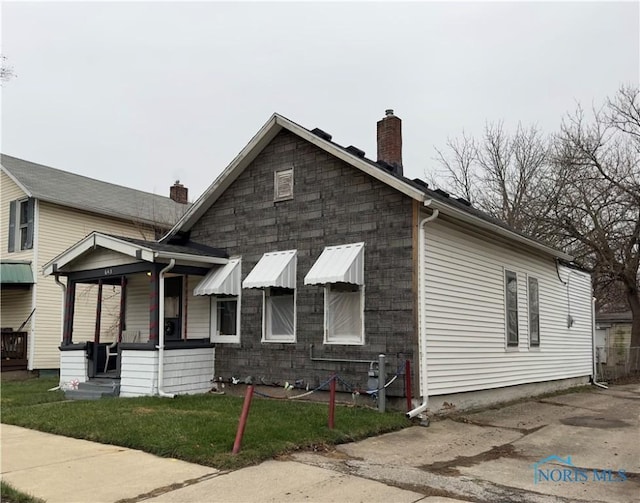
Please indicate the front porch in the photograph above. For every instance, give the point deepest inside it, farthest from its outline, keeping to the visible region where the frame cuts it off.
(151, 335)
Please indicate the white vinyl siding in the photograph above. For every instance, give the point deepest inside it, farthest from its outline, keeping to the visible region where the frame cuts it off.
(466, 321)
(138, 373)
(73, 365)
(186, 371)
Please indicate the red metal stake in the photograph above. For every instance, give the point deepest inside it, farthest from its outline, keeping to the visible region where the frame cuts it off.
(407, 384)
(243, 419)
(332, 402)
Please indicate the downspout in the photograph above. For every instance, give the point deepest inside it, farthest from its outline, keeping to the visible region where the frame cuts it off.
(594, 374)
(422, 341)
(160, 346)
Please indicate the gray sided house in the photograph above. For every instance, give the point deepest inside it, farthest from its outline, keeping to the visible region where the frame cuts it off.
(328, 259)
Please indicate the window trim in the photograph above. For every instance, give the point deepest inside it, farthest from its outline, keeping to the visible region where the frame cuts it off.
(531, 280)
(266, 294)
(16, 227)
(277, 196)
(213, 303)
(352, 342)
(509, 344)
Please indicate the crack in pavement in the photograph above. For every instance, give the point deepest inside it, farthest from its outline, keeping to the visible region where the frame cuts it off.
(171, 487)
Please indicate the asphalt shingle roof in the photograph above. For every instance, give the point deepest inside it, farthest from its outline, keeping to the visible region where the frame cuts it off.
(191, 247)
(80, 192)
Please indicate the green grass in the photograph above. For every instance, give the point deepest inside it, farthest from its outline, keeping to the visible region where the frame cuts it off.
(11, 495)
(198, 428)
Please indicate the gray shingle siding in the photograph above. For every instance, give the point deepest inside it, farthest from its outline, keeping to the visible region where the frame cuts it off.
(333, 203)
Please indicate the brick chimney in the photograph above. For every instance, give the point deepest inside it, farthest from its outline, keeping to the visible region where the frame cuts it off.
(390, 141)
(179, 193)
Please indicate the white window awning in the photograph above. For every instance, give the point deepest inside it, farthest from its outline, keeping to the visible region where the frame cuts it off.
(224, 280)
(273, 269)
(338, 264)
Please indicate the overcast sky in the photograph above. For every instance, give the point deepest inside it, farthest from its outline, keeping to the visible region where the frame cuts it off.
(142, 94)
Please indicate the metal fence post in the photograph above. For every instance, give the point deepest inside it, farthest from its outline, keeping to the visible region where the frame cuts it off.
(381, 383)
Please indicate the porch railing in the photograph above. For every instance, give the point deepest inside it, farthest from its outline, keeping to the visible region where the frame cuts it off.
(13, 350)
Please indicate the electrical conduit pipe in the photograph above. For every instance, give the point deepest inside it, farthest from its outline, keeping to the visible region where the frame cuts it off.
(160, 346)
(421, 303)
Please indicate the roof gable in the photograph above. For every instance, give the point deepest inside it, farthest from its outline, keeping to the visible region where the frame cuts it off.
(457, 209)
(95, 196)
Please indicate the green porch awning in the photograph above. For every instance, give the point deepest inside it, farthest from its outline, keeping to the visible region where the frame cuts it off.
(16, 273)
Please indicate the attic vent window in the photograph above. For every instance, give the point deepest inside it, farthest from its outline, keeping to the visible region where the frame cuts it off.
(283, 185)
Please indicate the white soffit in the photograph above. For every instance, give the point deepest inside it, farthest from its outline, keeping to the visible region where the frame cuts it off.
(223, 280)
(338, 264)
(273, 269)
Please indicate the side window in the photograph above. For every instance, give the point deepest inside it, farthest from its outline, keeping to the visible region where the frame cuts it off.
(225, 313)
(21, 218)
(534, 312)
(344, 309)
(279, 314)
(511, 307)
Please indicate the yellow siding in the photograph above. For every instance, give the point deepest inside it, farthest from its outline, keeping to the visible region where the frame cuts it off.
(9, 191)
(58, 229)
(16, 306)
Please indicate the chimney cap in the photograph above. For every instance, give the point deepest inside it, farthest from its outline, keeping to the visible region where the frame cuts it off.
(388, 112)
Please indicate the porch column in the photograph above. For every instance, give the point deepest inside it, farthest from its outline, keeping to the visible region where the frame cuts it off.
(69, 309)
(123, 306)
(96, 335)
(154, 305)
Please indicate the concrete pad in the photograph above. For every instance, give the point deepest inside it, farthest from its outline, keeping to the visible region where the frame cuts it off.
(525, 415)
(276, 481)
(442, 441)
(438, 499)
(589, 448)
(62, 469)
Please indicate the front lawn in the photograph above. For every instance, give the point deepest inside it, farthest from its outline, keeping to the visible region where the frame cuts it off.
(198, 428)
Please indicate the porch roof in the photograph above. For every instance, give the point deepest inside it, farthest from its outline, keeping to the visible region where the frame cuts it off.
(140, 250)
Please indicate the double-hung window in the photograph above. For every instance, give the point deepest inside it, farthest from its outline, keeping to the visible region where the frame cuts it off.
(21, 218)
(275, 274)
(511, 307)
(341, 270)
(534, 313)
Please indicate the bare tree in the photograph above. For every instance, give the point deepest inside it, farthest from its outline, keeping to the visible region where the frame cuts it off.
(502, 174)
(597, 194)
(6, 71)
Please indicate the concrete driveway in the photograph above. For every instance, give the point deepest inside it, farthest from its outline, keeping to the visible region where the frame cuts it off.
(586, 446)
(592, 438)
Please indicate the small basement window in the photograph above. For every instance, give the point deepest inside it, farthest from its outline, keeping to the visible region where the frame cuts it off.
(283, 185)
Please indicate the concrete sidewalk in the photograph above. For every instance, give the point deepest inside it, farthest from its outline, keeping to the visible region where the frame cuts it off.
(67, 470)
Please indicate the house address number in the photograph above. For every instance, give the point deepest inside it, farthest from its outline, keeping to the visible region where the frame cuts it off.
(108, 271)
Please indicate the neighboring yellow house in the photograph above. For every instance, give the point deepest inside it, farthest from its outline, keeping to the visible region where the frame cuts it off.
(43, 212)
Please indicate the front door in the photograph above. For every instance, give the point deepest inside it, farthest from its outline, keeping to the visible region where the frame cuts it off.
(173, 308)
